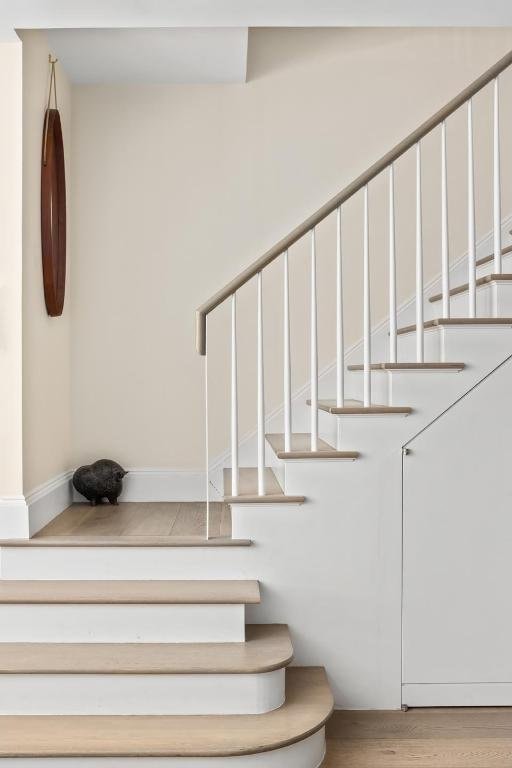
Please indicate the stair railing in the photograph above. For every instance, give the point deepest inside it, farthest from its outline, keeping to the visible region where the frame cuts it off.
(307, 228)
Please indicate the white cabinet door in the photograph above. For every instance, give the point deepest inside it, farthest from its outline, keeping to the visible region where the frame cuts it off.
(457, 580)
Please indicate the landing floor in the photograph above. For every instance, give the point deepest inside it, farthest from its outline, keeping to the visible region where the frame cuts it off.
(471, 737)
(173, 520)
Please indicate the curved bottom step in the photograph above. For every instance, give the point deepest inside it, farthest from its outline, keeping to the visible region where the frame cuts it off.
(292, 735)
(308, 753)
(147, 678)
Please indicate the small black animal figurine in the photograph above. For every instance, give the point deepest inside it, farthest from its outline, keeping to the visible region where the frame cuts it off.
(101, 480)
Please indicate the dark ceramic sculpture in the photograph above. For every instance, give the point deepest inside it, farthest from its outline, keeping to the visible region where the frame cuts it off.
(101, 480)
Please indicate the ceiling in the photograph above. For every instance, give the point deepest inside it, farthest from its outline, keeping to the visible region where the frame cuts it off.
(246, 13)
(182, 55)
(202, 41)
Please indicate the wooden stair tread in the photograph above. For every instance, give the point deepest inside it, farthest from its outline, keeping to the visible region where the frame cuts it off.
(490, 257)
(458, 321)
(410, 366)
(266, 647)
(356, 407)
(301, 448)
(480, 281)
(133, 592)
(308, 705)
(126, 541)
(248, 488)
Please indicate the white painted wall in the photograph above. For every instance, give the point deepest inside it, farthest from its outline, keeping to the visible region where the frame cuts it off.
(179, 187)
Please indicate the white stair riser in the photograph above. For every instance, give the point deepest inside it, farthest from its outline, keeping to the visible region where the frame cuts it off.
(51, 623)
(457, 344)
(124, 563)
(141, 694)
(494, 300)
(308, 753)
(488, 269)
(379, 385)
(432, 348)
(438, 387)
(430, 387)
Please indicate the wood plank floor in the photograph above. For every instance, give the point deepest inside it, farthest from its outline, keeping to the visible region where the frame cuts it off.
(470, 737)
(138, 519)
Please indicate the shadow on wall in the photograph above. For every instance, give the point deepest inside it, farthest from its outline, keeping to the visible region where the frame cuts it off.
(279, 50)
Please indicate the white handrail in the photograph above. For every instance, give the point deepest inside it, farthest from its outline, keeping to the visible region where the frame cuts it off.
(287, 386)
(367, 354)
(471, 218)
(261, 392)
(313, 348)
(234, 402)
(445, 258)
(392, 269)
(497, 181)
(340, 347)
(420, 330)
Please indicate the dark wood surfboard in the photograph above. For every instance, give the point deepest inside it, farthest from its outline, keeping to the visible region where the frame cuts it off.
(53, 214)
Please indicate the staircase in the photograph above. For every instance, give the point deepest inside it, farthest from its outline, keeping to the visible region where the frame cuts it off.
(170, 653)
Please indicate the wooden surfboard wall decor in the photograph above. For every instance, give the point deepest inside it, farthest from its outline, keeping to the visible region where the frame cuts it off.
(53, 208)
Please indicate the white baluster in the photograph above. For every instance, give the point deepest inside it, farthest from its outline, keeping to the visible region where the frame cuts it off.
(445, 265)
(392, 269)
(471, 217)
(340, 351)
(206, 432)
(367, 355)
(234, 402)
(261, 393)
(286, 355)
(313, 349)
(419, 262)
(497, 181)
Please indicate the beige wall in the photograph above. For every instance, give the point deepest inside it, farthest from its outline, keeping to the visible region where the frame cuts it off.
(46, 340)
(176, 188)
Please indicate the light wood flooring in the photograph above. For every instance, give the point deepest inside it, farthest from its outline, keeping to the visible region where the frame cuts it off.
(174, 520)
(470, 737)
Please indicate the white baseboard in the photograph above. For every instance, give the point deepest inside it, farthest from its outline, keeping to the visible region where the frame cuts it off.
(457, 694)
(14, 518)
(48, 500)
(162, 485)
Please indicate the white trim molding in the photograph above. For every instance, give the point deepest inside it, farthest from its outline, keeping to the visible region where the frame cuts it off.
(48, 500)
(457, 694)
(160, 484)
(14, 518)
